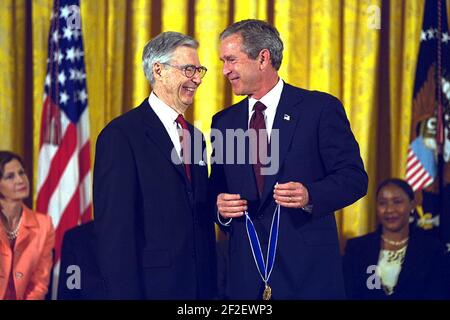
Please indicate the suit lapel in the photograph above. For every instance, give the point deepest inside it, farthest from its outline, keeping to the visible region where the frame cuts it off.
(410, 264)
(157, 134)
(198, 163)
(285, 122)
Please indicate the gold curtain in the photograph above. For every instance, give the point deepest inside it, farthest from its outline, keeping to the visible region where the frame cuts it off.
(329, 46)
(12, 79)
(174, 15)
(405, 26)
(249, 9)
(210, 20)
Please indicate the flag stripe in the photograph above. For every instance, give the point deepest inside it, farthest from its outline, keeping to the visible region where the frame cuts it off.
(47, 153)
(68, 220)
(85, 192)
(87, 214)
(423, 182)
(417, 176)
(57, 167)
(83, 128)
(84, 159)
(67, 186)
(413, 170)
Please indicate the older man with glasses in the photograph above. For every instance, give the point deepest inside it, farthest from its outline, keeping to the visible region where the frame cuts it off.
(155, 237)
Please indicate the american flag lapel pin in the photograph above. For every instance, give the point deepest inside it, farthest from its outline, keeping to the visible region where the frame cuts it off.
(287, 117)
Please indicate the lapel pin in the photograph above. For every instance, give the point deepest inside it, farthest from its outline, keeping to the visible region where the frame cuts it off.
(287, 117)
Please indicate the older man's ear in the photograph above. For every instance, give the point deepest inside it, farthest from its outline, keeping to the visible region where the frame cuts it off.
(157, 70)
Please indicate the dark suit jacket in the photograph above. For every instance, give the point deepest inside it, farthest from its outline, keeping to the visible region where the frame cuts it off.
(78, 250)
(424, 273)
(318, 149)
(155, 234)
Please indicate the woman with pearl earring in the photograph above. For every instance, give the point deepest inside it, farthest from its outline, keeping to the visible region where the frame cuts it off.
(26, 238)
(396, 262)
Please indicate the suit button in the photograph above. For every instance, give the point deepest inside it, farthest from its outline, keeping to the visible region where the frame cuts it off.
(19, 275)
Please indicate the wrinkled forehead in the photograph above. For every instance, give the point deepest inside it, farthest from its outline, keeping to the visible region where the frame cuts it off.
(184, 55)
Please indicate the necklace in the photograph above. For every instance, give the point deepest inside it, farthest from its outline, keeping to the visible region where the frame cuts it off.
(395, 243)
(13, 234)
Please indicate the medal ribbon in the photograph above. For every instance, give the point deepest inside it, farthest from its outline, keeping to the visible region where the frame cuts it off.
(264, 269)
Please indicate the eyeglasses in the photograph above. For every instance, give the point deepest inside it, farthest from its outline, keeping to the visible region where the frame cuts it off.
(189, 70)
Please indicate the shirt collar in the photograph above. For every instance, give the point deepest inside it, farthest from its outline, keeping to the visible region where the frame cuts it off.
(162, 110)
(270, 99)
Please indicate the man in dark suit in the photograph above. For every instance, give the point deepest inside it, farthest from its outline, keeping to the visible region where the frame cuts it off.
(155, 233)
(313, 168)
(79, 276)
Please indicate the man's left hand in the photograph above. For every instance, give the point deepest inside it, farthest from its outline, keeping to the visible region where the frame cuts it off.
(291, 195)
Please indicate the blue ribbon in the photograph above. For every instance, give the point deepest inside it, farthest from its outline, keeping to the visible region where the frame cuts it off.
(264, 269)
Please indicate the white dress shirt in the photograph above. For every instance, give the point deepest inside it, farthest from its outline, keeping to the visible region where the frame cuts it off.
(270, 100)
(167, 115)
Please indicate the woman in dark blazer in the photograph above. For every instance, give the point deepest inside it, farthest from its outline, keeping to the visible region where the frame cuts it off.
(396, 262)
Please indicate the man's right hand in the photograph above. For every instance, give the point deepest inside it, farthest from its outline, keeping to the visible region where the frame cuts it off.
(231, 205)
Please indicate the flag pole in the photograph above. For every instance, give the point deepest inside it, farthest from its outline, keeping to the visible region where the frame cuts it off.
(440, 131)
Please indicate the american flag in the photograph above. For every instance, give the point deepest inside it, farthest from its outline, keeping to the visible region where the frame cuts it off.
(64, 168)
(431, 78)
(428, 166)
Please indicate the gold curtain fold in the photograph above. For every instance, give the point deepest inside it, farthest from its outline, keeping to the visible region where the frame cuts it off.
(405, 26)
(104, 27)
(250, 9)
(211, 17)
(359, 95)
(174, 15)
(292, 19)
(12, 79)
(41, 12)
(139, 18)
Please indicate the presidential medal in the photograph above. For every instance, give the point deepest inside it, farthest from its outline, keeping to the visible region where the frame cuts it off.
(264, 269)
(267, 294)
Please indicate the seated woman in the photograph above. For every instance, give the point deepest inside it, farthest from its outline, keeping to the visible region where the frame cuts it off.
(396, 262)
(26, 238)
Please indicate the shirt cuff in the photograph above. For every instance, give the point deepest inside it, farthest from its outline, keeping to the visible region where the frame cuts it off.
(308, 208)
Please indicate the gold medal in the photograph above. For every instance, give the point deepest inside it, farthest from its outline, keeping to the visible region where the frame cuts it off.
(267, 294)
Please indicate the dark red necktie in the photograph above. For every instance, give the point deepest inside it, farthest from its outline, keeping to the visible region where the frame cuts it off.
(260, 145)
(185, 151)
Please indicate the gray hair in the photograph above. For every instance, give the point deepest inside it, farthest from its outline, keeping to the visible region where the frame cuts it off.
(256, 36)
(161, 48)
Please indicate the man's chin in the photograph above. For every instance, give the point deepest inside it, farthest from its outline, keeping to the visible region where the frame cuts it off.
(187, 104)
(239, 92)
